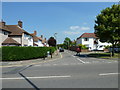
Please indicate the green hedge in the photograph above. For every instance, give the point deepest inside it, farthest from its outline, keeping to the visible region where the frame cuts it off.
(23, 53)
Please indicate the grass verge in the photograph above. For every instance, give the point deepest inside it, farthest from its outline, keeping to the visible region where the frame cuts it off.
(103, 55)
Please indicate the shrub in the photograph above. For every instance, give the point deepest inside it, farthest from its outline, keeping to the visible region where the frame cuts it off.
(82, 46)
(108, 46)
(23, 53)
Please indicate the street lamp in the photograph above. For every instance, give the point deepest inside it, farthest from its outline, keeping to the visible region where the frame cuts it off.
(56, 42)
(55, 36)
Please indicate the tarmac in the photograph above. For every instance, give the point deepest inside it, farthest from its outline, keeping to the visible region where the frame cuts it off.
(55, 56)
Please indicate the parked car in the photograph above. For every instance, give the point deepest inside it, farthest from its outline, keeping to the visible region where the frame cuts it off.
(61, 50)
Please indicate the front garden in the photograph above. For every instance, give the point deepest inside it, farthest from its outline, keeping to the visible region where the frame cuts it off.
(103, 55)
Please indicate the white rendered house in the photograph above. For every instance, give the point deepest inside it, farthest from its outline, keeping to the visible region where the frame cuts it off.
(91, 41)
(14, 35)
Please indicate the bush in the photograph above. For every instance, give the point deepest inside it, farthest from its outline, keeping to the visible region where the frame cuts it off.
(108, 46)
(82, 46)
(23, 53)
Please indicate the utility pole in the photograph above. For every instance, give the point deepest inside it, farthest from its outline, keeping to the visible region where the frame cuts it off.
(56, 42)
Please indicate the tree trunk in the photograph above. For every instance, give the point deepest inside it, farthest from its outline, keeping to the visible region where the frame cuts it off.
(113, 51)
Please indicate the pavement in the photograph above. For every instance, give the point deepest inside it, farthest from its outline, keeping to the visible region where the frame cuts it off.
(55, 56)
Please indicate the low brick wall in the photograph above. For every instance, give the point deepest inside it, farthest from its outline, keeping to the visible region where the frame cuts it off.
(84, 50)
(106, 50)
(75, 47)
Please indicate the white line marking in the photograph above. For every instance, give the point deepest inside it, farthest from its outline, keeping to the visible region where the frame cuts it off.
(73, 56)
(81, 60)
(103, 74)
(42, 77)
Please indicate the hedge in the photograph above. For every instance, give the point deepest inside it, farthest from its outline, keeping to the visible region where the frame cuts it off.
(24, 53)
(0, 53)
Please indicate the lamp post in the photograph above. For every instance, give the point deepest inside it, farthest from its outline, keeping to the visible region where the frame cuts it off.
(55, 37)
(56, 43)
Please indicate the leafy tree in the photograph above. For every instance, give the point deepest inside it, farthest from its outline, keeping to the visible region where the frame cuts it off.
(73, 43)
(107, 25)
(67, 42)
(60, 45)
(52, 42)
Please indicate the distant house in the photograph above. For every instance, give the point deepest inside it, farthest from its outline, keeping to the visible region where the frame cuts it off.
(14, 35)
(91, 41)
(38, 41)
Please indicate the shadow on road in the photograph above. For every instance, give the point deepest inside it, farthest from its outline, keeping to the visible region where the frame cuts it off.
(36, 88)
(81, 55)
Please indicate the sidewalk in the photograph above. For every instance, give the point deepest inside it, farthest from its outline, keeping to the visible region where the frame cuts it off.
(55, 56)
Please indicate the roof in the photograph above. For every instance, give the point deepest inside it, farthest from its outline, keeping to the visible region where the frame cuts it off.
(16, 30)
(9, 40)
(44, 41)
(40, 38)
(35, 44)
(35, 38)
(4, 28)
(88, 35)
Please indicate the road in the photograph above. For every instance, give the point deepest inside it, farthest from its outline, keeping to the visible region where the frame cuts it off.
(69, 71)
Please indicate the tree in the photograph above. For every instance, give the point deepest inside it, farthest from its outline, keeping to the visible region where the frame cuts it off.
(107, 25)
(73, 43)
(67, 42)
(52, 42)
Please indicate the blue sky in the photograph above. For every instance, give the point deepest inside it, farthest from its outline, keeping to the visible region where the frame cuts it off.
(67, 19)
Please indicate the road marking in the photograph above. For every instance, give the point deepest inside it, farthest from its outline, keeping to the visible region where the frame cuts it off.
(73, 56)
(61, 55)
(81, 61)
(42, 77)
(103, 74)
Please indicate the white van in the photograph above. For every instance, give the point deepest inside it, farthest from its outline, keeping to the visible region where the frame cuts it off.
(100, 47)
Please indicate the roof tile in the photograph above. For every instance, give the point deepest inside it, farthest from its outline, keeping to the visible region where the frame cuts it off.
(9, 40)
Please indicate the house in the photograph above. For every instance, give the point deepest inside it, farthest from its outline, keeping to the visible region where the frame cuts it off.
(91, 41)
(14, 35)
(38, 41)
(4, 32)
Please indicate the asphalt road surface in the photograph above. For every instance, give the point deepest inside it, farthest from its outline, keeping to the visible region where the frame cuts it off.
(69, 71)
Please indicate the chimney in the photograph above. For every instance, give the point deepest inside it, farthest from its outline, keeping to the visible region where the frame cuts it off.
(41, 36)
(35, 33)
(3, 23)
(20, 23)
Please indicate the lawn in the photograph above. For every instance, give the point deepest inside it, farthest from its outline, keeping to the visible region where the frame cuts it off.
(103, 55)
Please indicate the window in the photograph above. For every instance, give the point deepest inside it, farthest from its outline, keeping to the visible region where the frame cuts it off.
(86, 39)
(25, 45)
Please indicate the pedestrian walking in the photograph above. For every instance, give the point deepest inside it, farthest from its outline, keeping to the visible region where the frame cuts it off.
(78, 50)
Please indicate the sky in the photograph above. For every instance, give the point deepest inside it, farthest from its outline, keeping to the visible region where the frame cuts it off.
(67, 19)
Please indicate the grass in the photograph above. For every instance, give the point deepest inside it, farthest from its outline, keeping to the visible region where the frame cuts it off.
(103, 55)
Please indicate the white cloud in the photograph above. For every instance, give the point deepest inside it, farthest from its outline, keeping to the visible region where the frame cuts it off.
(85, 23)
(74, 27)
(76, 30)
(84, 28)
(71, 32)
(79, 28)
